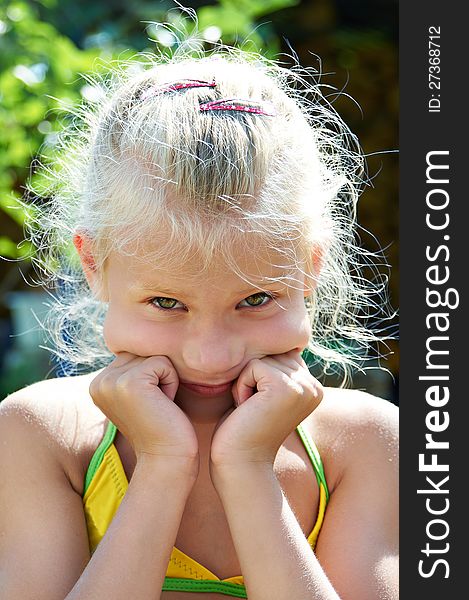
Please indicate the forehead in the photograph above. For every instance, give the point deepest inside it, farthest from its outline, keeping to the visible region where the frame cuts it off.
(247, 261)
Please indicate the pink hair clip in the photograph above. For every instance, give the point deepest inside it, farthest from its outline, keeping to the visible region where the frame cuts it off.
(178, 85)
(238, 106)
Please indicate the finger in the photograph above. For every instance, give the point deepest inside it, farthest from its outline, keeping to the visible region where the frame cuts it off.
(107, 376)
(292, 358)
(114, 371)
(166, 375)
(298, 357)
(286, 365)
(234, 393)
(125, 358)
(246, 384)
(282, 362)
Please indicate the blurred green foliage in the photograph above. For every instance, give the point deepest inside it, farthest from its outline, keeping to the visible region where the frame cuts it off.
(38, 66)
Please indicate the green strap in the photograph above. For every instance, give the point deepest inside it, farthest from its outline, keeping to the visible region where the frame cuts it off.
(110, 434)
(99, 454)
(205, 585)
(315, 457)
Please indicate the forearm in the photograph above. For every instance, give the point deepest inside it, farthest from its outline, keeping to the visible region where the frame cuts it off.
(132, 558)
(276, 559)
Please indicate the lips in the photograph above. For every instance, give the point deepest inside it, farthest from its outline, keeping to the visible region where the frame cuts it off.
(208, 390)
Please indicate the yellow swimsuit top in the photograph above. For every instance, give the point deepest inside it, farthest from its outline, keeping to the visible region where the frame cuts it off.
(106, 484)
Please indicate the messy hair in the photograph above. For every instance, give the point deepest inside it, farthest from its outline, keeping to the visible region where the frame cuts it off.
(140, 158)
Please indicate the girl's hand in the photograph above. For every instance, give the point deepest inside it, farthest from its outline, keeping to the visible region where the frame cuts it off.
(262, 420)
(137, 395)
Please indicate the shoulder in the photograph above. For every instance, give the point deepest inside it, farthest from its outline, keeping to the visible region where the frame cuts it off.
(344, 411)
(352, 428)
(58, 416)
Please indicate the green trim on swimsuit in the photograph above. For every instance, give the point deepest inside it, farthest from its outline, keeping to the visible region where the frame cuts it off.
(99, 454)
(205, 585)
(111, 431)
(315, 457)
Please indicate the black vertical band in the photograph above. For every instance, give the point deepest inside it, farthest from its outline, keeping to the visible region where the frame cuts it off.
(434, 269)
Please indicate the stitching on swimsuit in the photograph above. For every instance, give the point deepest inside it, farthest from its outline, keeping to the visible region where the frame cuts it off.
(113, 470)
(187, 568)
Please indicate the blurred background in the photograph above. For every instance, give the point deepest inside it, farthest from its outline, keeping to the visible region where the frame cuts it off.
(46, 46)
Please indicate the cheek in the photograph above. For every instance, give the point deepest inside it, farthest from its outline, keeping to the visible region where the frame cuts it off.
(291, 330)
(122, 332)
(299, 328)
(114, 331)
(126, 333)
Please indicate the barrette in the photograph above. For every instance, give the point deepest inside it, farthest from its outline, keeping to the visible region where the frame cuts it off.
(237, 106)
(178, 85)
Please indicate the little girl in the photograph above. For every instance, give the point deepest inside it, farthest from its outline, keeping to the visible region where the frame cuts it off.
(211, 202)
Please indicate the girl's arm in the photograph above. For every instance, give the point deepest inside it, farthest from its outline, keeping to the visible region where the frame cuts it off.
(132, 558)
(356, 554)
(276, 559)
(44, 551)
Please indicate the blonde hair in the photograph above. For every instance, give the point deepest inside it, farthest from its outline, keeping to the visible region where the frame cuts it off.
(143, 158)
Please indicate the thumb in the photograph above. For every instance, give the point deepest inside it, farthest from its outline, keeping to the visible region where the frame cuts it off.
(166, 376)
(245, 386)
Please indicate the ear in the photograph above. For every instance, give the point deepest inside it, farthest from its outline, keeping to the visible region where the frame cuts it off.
(84, 246)
(313, 268)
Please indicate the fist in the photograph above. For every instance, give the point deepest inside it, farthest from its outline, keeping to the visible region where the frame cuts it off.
(272, 396)
(137, 395)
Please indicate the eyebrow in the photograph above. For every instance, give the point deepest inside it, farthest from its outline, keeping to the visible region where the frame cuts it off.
(149, 287)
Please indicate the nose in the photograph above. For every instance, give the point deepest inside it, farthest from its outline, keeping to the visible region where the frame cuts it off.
(212, 350)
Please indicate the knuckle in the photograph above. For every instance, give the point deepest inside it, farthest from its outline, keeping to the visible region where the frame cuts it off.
(123, 382)
(96, 393)
(106, 383)
(319, 391)
(100, 387)
(160, 362)
(316, 393)
(256, 362)
(309, 391)
(94, 388)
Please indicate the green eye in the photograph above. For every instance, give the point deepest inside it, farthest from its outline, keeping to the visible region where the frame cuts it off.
(162, 302)
(257, 299)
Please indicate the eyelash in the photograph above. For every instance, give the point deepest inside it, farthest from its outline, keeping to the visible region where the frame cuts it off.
(269, 295)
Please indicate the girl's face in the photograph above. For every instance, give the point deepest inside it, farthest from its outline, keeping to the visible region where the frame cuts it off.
(209, 326)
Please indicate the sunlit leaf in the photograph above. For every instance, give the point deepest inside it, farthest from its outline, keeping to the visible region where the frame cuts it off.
(16, 209)
(8, 248)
